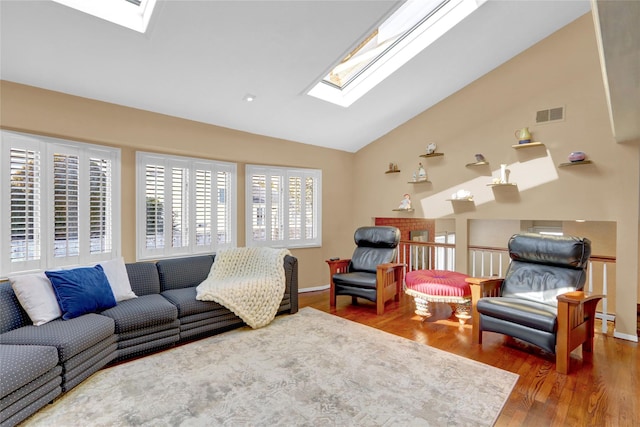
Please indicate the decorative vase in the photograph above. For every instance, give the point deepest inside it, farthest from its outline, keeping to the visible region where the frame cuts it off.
(503, 173)
(577, 156)
(523, 135)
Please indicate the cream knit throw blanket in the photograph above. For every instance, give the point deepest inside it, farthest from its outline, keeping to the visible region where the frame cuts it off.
(248, 281)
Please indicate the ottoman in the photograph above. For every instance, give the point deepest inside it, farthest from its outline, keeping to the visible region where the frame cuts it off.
(439, 286)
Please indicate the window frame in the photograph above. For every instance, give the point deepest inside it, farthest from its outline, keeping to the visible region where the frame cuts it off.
(285, 174)
(189, 219)
(47, 148)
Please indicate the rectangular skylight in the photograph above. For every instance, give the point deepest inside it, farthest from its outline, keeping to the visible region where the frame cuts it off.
(132, 14)
(409, 30)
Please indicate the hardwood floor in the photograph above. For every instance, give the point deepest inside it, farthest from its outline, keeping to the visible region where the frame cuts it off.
(602, 390)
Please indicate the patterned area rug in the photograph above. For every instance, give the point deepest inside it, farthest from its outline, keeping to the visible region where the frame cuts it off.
(310, 369)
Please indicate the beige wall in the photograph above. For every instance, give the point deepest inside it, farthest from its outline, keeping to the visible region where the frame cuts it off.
(562, 70)
(33, 110)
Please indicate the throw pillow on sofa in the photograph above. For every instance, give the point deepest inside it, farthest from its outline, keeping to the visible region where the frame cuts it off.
(36, 296)
(81, 290)
(118, 279)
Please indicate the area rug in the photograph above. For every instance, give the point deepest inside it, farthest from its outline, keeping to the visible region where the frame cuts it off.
(306, 369)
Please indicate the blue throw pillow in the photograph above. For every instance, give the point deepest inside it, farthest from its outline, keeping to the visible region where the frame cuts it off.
(81, 290)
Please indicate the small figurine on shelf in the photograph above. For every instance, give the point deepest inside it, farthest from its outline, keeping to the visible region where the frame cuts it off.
(422, 174)
(431, 148)
(406, 202)
(504, 174)
(480, 158)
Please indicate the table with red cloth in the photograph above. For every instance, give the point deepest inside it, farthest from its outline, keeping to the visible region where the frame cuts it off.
(439, 286)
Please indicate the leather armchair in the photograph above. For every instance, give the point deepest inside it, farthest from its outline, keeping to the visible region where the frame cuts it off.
(540, 300)
(371, 272)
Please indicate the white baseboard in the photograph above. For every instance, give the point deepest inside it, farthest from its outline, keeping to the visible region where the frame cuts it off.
(628, 337)
(313, 289)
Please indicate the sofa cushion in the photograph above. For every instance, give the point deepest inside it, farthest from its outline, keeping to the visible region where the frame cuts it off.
(141, 312)
(36, 296)
(21, 364)
(183, 272)
(143, 277)
(12, 315)
(118, 279)
(70, 337)
(185, 300)
(81, 290)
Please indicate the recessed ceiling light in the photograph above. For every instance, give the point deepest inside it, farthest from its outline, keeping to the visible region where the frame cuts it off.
(249, 98)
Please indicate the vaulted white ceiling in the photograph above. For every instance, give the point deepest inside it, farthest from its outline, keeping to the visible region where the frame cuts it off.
(199, 58)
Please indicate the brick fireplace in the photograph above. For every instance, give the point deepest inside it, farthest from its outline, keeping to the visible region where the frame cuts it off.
(407, 225)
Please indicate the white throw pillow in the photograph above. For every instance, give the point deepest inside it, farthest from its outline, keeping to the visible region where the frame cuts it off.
(36, 295)
(118, 279)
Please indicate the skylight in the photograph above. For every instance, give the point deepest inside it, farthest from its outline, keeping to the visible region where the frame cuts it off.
(132, 14)
(409, 30)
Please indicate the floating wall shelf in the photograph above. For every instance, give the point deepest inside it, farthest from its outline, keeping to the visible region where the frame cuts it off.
(528, 145)
(424, 181)
(403, 210)
(582, 162)
(502, 184)
(432, 155)
(469, 199)
(393, 171)
(476, 164)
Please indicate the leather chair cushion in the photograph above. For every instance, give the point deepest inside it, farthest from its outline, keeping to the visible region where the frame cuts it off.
(541, 283)
(375, 245)
(356, 279)
(564, 251)
(517, 310)
(377, 237)
(367, 259)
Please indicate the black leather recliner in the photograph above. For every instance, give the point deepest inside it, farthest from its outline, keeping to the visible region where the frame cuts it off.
(540, 300)
(371, 273)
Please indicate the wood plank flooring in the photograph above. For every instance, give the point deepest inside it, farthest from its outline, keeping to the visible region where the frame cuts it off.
(601, 390)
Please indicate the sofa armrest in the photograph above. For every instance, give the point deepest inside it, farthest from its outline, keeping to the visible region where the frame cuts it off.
(481, 287)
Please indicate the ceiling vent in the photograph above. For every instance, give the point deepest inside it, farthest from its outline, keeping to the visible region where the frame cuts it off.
(550, 115)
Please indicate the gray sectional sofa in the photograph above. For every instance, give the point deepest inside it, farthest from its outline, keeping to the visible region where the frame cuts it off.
(38, 363)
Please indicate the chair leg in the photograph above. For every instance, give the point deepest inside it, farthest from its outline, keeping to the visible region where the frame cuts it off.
(379, 305)
(332, 295)
(563, 352)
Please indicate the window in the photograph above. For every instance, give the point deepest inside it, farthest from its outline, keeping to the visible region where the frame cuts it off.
(283, 207)
(409, 30)
(132, 14)
(184, 205)
(445, 257)
(62, 209)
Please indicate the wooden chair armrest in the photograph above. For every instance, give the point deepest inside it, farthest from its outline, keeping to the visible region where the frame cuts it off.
(335, 266)
(389, 282)
(338, 266)
(390, 265)
(576, 316)
(485, 286)
(578, 297)
(481, 287)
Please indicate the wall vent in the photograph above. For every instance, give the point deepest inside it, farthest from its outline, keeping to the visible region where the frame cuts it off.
(550, 115)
